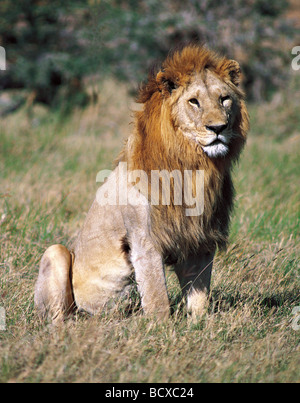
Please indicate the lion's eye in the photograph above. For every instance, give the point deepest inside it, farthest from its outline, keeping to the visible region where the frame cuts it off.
(194, 102)
(226, 101)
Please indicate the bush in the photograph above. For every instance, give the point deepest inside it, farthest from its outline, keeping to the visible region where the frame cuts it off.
(52, 45)
(44, 48)
(133, 34)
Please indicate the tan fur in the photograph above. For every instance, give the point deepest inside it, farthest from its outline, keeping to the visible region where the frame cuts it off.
(186, 103)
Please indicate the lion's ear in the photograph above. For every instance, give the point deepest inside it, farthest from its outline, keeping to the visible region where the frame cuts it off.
(164, 83)
(169, 85)
(234, 72)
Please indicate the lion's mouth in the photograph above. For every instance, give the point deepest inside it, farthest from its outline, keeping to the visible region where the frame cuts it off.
(218, 140)
(216, 149)
(216, 143)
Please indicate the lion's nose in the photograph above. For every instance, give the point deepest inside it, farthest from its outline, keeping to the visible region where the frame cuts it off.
(217, 128)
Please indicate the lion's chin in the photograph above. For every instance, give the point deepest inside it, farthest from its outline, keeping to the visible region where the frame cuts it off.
(216, 150)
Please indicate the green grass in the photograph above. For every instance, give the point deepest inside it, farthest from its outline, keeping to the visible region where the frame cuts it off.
(48, 169)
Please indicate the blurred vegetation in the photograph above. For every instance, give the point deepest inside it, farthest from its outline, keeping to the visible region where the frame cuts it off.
(136, 32)
(48, 168)
(52, 46)
(45, 48)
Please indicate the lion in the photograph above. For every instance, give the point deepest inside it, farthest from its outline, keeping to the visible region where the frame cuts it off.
(194, 118)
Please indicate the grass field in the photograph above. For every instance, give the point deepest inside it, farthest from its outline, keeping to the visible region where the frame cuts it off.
(48, 171)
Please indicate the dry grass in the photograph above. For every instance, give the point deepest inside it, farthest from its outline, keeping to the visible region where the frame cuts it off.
(48, 170)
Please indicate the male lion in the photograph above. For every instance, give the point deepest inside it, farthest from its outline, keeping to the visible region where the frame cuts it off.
(194, 119)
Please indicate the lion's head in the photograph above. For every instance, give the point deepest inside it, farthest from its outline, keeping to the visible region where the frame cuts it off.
(199, 90)
(206, 111)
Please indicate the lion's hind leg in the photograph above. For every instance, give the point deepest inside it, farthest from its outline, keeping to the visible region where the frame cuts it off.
(53, 290)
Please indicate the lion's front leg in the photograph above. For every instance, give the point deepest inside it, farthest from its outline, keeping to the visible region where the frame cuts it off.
(194, 275)
(150, 277)
(145, 259)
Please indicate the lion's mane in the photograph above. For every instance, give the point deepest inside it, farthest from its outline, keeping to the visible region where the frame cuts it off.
(157, 144)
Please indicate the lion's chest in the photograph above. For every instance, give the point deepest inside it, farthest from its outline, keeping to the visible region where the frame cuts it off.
(178, 235)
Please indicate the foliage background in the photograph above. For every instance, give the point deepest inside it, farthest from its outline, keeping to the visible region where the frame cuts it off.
(55, 44)
(87, 58)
